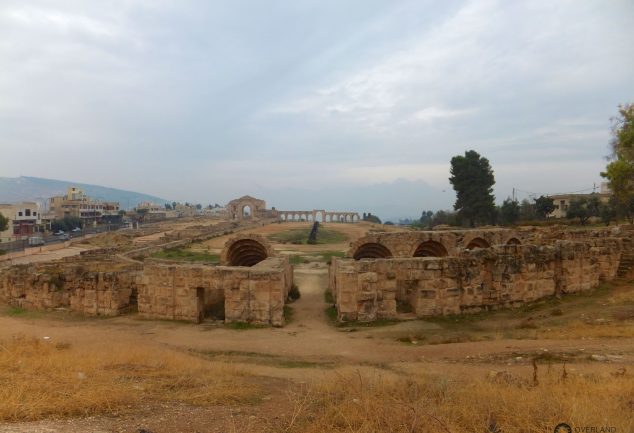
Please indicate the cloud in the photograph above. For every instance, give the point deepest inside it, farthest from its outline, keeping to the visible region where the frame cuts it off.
(213, 100)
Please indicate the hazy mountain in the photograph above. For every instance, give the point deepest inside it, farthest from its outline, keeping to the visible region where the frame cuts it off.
(14, 189)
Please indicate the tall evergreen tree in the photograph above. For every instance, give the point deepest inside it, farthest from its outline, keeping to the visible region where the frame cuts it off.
(472, 179)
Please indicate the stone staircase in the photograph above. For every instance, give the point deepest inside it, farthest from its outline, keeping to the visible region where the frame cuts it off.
(627, 259)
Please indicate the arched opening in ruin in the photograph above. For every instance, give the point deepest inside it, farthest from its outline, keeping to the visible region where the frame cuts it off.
(372, 250)
(430, 249)
(478, 243)
(319, 217)
(247, 211)
(210, 303)
(513, 241)
(246, 252)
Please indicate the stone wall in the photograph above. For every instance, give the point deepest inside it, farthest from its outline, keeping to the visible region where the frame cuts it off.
(505, 275)
(405, 244)
(104, 287)
(191, 292)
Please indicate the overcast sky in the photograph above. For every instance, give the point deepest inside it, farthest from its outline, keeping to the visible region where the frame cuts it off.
(356, 104)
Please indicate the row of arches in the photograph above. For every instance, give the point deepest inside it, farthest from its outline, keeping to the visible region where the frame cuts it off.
(429, 248)
(320, 216)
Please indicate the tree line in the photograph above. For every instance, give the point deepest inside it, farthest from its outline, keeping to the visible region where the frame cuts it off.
(472, 179)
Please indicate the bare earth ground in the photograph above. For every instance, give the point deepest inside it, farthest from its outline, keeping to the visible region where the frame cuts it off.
(593, 334)
(46, 256)
(309, 348)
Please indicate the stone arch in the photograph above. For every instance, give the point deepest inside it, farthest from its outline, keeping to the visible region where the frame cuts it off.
(513, 241)
(236, 207)
(478, 242)
(372, 250)
(431, 249)
(246, 250)
(247, 211)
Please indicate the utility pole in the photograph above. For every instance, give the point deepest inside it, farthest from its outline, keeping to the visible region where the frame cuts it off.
(513, 194)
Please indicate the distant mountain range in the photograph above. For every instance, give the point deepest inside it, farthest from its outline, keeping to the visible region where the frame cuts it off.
(23, 188)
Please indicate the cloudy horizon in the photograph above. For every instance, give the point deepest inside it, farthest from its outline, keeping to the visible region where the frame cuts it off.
(350, 105)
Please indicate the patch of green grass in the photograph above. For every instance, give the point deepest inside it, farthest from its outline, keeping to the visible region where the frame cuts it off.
(296, 259)
(328, 298)
(17, 311)
(288, 314)
(186, 256)
(327, 255)
(243, 326)
(331, 313)
(300, 236)
(265, 359)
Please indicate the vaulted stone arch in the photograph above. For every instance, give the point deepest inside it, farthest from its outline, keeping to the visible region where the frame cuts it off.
(245, 250)
(372, 250)
(430, 249)
(478, 242)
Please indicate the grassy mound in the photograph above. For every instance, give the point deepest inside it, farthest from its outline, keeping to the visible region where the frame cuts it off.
(300, 236)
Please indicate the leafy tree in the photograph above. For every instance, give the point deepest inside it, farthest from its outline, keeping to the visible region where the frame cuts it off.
(583, 208)
(426, 217)
(168, 206)
(371, 218)
(443, 217)
(544, 206)
(174, 205)
(620, 171)
(67, 223)
(620, 175)
(199, 206)
(607, 211)
(527, 210)
(509, 211)
(622, 142)
(472, 179)
(4, 223)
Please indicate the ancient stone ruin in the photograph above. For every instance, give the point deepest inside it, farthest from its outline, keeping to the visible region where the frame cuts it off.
(418, 274)
(251, 285)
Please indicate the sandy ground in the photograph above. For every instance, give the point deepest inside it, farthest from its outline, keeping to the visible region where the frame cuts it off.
(46, 256)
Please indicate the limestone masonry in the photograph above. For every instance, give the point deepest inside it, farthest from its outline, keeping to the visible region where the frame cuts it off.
(385, 275)
(399, 275)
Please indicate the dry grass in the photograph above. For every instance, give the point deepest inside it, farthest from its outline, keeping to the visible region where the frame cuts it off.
(41, 379)
(366, 404)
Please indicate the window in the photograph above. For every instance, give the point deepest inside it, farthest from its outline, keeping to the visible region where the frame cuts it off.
(27, 212)
(20, 213)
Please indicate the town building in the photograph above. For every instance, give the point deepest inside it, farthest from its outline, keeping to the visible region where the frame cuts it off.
(24, 220)
(562, 201)
(77, 204)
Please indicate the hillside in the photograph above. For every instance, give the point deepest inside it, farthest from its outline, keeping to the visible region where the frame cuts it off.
(13, 189)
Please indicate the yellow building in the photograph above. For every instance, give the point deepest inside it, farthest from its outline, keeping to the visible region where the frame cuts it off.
(76, 204)
(24, 218)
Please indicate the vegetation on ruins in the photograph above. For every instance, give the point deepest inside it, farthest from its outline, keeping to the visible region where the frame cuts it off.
(4, 222)
(472, 179)
(300, 236)
(620, 170)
